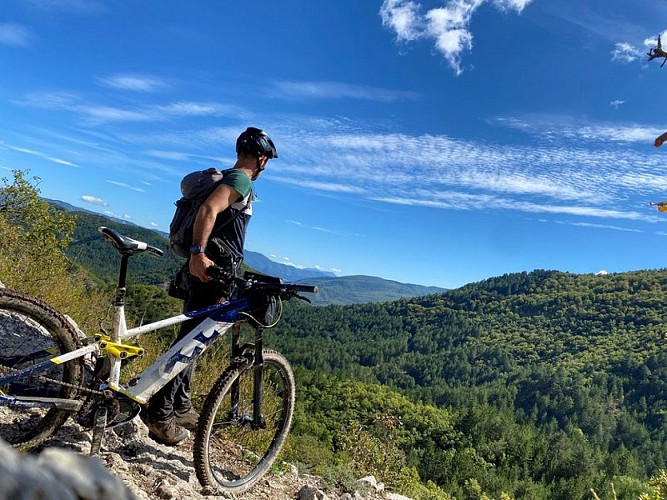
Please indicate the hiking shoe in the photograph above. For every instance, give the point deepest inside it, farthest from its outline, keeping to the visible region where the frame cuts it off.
(167, 432)
(187, 418)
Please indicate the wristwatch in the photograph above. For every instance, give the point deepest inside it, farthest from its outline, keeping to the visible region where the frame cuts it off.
(195, 249)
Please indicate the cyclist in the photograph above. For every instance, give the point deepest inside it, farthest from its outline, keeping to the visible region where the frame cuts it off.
(223, 217)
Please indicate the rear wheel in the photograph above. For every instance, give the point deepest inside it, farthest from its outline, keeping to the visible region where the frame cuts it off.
(234, 447)
(31, 332)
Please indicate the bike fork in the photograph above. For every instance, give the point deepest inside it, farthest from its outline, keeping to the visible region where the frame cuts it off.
(258, 390)
(257, 417)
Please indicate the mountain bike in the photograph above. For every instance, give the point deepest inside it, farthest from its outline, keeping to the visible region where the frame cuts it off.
(50, 370)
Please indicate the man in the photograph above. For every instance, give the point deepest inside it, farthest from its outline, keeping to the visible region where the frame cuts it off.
(220, 226)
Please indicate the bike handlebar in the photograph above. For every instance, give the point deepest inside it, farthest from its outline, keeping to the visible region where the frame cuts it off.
(255, 282)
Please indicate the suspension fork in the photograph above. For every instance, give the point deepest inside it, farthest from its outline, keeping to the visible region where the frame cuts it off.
(235, 354)
(237, 350)
(258, 388)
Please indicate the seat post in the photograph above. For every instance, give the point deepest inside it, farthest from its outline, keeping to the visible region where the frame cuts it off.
(119, 325)
(122, 280)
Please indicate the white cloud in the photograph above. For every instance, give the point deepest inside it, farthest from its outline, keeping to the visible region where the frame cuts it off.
(168, 155)
(61, 162)
(336, 232)
(126, 186)
(104, 114)
(653, 42)
(554, 127)
(403, 17)
(616, 103)
(95, 114)
(625, 53)
(94, 200)
(40, 155)
(601, 226)
(320, 186)
(339, 90)
(138, 83)
(579, 170)
(14, 35)
(447, 27)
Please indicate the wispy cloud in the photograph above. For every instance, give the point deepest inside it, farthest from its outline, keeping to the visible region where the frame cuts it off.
(337, 232)
(581, 172)
(95, 114)
(616, 103)
(499, 203)
(137, 83)
(551, 127)
(600, 226)
(93, 200)
(447, 27)
(39, 154)
(339, 90)
(167, 155)
(319, 185)
(126, 186)
(15, 35)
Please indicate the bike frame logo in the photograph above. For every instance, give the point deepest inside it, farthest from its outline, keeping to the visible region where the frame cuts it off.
(176, 359)
(190, 351)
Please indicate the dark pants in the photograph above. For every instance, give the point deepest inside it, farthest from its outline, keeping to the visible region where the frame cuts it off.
(176, 394)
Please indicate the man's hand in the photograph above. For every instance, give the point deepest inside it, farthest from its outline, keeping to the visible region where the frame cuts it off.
(198, 265)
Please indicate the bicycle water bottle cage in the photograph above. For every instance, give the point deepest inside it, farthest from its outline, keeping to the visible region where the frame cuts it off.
(126, 245)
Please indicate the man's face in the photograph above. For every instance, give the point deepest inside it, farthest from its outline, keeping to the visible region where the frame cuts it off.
(261, 165)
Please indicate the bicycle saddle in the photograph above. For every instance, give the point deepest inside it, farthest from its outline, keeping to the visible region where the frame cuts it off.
(126, 245)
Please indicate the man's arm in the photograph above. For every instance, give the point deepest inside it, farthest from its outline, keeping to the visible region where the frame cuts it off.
(222, 198)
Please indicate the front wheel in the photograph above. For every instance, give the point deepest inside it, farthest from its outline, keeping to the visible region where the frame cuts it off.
(234, 445)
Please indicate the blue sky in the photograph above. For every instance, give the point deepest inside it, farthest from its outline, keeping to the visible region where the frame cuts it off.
(430, 142)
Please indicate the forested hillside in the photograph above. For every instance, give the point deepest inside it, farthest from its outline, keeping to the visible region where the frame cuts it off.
(558, 381)
(536, 385)
(91, 251)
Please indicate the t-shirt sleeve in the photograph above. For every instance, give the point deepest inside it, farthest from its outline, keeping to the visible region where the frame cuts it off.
(238, 181)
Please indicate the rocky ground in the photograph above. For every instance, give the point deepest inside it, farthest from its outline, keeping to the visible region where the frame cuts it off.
(149, 470)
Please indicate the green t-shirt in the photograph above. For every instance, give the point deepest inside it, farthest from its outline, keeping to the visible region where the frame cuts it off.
(239, 182)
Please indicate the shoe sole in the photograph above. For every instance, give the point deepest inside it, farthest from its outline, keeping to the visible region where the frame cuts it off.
(154, 437)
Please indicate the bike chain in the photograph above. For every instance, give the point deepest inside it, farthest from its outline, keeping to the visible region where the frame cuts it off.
(58, 382)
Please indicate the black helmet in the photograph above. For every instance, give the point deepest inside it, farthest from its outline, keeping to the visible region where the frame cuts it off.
(256, 142)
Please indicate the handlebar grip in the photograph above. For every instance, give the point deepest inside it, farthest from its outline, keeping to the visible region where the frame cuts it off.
(305, 288)
(218, 273)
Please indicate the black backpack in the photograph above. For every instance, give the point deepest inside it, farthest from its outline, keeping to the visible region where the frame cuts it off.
(195, 187)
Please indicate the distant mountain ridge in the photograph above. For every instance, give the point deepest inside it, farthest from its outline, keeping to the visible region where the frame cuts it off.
(90, 251)
(360, 289)
(265, 265)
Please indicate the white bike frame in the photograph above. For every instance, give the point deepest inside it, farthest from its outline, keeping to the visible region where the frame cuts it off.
(218, 319)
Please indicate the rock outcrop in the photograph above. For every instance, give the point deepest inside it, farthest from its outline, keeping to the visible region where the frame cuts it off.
(133, 466)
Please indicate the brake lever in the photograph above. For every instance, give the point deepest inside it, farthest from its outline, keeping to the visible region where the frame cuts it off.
(301, 297)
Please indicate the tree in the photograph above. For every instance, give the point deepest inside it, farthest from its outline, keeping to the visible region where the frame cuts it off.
(34, 235)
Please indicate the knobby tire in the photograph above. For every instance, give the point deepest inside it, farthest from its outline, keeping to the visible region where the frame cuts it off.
(29, 325)
(231, 454)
